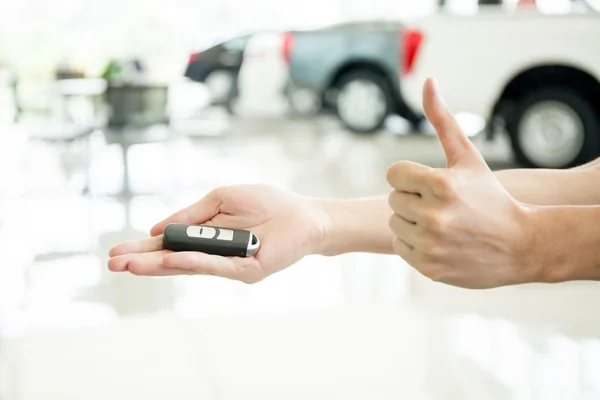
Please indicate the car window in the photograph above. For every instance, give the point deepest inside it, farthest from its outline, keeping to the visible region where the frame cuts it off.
(343, 25)
(366, 26)
(380, 25)
(236, 44)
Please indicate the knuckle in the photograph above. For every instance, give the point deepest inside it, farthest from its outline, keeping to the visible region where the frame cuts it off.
(430, 221)
(434, 252)
(397, 201)
(436, 221)
(441, 185)
(393, 222)
(431, 248)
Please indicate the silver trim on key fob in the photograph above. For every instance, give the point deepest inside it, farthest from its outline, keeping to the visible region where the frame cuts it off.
(252, 247)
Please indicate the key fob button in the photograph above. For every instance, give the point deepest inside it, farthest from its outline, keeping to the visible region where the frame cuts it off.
(194, 231)
(225, 234)
(208, 232)
(204, 232)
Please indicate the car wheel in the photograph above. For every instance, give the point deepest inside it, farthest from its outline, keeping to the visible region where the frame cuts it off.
(554, 128)
(364, 101)
(220, 84)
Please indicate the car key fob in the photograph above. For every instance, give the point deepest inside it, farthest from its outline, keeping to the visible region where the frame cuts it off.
(210, 239)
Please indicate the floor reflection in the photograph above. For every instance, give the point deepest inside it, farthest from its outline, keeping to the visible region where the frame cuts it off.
(352, 312)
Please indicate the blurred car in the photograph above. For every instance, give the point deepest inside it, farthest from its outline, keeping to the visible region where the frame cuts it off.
(532, 75)
(352, 68)
(218, 67)
(263, 76)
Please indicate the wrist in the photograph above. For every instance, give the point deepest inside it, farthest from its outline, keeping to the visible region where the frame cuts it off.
(354, 225)
(545, 250)
(566, 239)
(333, 230)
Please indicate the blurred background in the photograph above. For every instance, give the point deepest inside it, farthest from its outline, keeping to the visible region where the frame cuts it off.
(114, 114)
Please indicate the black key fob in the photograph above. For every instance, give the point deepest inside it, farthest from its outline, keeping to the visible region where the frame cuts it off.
(210, 239)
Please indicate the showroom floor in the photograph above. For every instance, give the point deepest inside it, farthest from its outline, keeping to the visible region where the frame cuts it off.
(353, 327)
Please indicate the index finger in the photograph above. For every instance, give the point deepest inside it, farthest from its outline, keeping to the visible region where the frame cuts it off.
(410, 177)
(198, 213)
(137, 246)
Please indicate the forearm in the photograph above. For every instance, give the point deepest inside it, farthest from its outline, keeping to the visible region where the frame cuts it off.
(361, 225)
(553, 187)
(564, 243)
(358, 225)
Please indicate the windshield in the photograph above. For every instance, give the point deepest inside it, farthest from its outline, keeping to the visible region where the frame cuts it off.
(365, 25)
(544, 6)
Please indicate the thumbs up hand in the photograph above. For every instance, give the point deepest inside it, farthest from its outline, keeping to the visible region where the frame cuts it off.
(458, 225)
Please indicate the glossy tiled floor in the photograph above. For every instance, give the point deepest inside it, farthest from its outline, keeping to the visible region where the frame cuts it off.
(352, 327)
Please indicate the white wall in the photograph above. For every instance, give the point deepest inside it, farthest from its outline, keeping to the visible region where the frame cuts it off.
(36, 34)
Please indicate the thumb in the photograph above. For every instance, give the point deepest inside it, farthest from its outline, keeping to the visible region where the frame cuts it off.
(459, 150)
(198, 213)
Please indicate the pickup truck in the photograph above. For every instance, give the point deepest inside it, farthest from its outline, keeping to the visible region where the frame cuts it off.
(532, 75)
(353, 68)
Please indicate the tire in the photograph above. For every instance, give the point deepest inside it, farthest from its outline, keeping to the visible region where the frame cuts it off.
(554, 127)
(303, 102)
(356, 88)
(232, 100)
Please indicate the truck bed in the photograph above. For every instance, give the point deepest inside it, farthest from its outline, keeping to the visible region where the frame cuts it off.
(316, 57)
